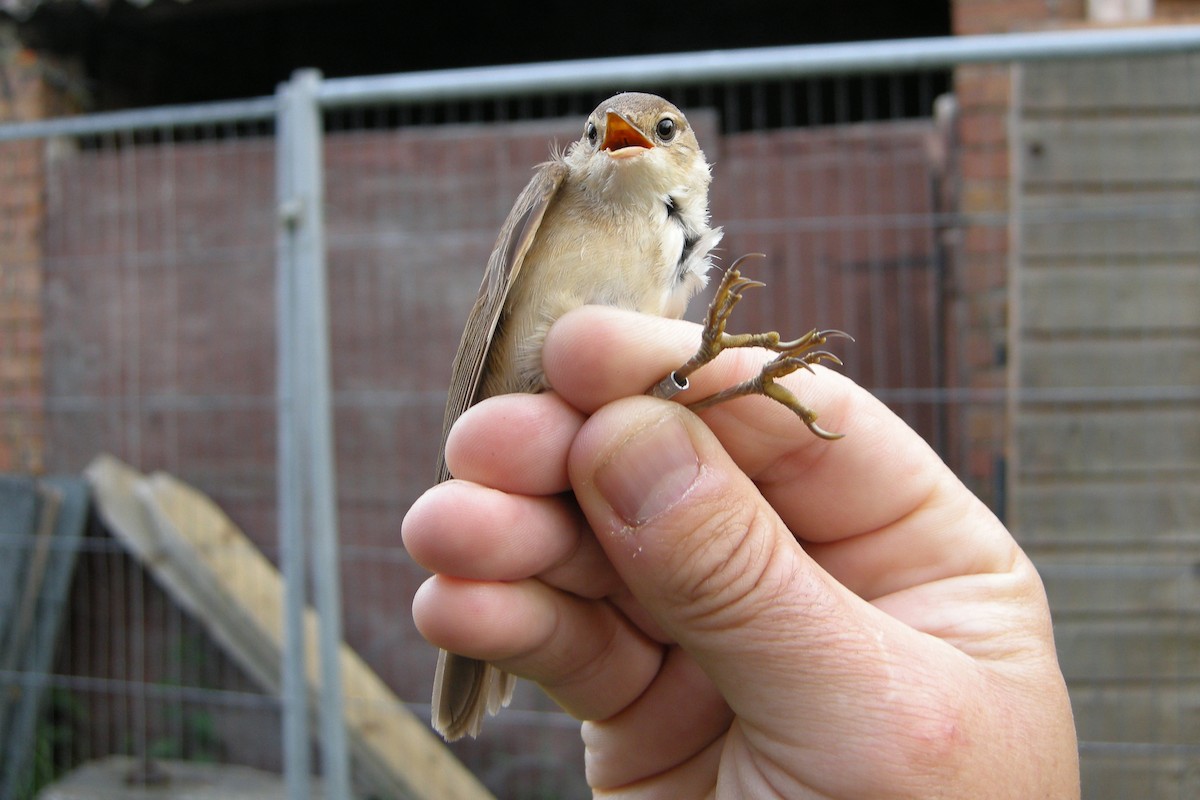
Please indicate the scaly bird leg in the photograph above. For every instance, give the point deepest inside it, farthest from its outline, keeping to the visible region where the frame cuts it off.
(764, 384)
(790, 355)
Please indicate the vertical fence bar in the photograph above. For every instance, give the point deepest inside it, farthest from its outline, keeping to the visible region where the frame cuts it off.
(288, 469)
(307, 482)
(312, 335)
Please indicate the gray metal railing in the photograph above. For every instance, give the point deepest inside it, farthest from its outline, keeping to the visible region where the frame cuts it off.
(683, 68)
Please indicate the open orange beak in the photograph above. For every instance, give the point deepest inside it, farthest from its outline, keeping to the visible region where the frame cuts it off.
(621, 137)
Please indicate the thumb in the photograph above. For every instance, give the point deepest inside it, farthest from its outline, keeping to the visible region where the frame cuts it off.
(719, 572)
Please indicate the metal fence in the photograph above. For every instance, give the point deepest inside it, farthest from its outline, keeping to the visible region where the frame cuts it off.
(262, 299)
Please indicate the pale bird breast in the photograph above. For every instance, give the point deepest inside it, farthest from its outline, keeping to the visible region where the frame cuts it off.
(585, 254)
(605, 253)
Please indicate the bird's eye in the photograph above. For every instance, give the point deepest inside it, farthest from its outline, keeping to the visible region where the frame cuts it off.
(591, 133)
(665, 129)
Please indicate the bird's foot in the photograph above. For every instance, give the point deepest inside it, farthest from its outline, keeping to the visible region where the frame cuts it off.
(765, 384)
(790, 355)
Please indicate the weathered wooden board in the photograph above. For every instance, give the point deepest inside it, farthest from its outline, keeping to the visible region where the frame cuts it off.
(1143, 514)
(1138, 150)
(1109, 442)
(115, 487)
(215, 572)
(19, 507)
(1112, 84)
(1151, 713)
(33, 606)
(1088, 582)
(1125, 360)
(386, 739)
(1133, 649)
(1139, 772)
(1120, 225)
(1104, 298)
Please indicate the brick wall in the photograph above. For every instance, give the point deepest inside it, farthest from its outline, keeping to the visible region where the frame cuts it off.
(845, 217)
(980, 302)
(979, 299)
(1004, 16)
(21, 213)
(27, 94)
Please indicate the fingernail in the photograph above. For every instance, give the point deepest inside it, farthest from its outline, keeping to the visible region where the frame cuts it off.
(650, 472)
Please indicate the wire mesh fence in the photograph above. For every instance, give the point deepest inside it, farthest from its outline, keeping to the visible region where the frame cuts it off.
(1013, 244)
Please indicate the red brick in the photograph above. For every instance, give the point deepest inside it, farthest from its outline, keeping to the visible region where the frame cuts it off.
(985, 164)
(1177, 10)
(981, 464)
(985, 195)
(22, 215)
(984, 126)
(982, 85)
(16, 281)
(981, 275)
(993, 16)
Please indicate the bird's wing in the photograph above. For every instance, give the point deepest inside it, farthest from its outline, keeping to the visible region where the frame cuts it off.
(504, 264)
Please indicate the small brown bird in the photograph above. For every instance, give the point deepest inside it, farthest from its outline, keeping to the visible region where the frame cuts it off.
(621, 218)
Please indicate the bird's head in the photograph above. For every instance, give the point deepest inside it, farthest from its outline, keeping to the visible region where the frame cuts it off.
(635, 143)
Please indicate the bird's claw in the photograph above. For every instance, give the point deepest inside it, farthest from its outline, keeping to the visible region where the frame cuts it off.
(714, 339)
(785, 363)
(790, 356)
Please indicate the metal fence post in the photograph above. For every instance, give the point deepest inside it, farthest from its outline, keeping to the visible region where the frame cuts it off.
(307, 488)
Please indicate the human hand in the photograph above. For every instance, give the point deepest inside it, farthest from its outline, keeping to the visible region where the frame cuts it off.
(734, 607)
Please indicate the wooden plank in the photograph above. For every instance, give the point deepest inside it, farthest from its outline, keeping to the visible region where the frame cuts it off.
(48, 564)
(1157, 713)
(1123, 361)
(1105, 152)
(1115, 773)
(386, 739)
(19, 506)
(1111, 226)
(211, 568)
(115, 488)
(1134, 238)
(1153, 648)
(1087, 298)
(1120, 583)
(1107, 442)
(1111, 84)
(1120, 512)
(1131, 240)
(20, 509)
(34, 560)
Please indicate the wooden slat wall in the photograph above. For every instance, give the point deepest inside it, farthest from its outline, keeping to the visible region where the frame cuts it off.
(1104, 487)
